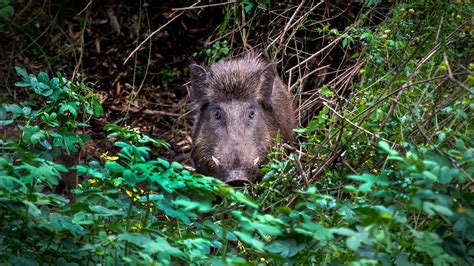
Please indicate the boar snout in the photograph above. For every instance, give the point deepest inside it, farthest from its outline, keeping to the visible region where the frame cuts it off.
(236, 165)
(237, 177)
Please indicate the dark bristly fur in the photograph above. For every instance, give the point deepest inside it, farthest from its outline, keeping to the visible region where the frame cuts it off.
(241, 104)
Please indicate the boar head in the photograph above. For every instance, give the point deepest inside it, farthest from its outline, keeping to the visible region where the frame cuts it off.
(235, 125)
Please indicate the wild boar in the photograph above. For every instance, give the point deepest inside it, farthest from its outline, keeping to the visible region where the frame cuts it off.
(241, 104)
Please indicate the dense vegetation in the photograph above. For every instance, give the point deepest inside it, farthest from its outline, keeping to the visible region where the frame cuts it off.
(381, 174)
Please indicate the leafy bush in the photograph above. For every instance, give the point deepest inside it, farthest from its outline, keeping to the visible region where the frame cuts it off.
(385, 178)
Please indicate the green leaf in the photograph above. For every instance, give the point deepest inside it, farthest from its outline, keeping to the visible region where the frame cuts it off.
(242, 198)
(160, 245)
(4, 2)
(225, 50)
(176, 166)
(432, 208)
(386, 147)
(188, 205)
(71, 141)
(106, 212)
(26, 110)
(22, 84)
(248, 239)
(286, 249)
(130, 177)
(248, 6)
(54, 83)
(430, 176)
(315, 230)
(10, 183)
(42, 89)
(344, 43)
(353, 243)
(326, 92)
(114, 167)
(37, 137)
(24, 261)
(45, 143)
(266, 229)
(366, 36)
(22, 72)
(7, 13)
(137, 239)
(70, 107)
(368, 179)
(402, 260)
(6, 122)
(460, 226)
(98, 111)
(350, 188)
(183, 215)
(46, 173)
(43, 77)
(446, 174)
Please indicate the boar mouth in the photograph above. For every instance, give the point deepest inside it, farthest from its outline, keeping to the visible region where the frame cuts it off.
(237, 177)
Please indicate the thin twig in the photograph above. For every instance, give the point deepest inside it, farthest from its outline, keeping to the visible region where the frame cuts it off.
(84, 9)
(358, 127)
(291, 20)
(158, 30)
(203, 6)
(335, 41)
(451, 76)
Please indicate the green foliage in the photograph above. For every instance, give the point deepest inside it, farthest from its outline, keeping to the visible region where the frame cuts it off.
(55, 110)
(7, 12)
(216, 52)
(169, 75)
(407, 199)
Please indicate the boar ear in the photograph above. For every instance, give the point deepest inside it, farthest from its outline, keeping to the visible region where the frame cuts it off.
(267, 76)
(199, 77)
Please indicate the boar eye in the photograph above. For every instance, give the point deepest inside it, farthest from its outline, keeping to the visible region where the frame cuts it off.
(217, 114)
(251, 114)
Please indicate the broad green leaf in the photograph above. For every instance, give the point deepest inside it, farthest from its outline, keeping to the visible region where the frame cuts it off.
(286, 249)
(43, 77)
(97, 107)
(160, 245)
(248, 239)
(343, 231)
(130, 177)
(432, 209)
(114, 167)
(7, 13)
(22, 72)
(140, 240)
(386, 147)
(4, 2)
(106, 212)
(460, 226)
(188, 205)
(6, 122)
(10, 183)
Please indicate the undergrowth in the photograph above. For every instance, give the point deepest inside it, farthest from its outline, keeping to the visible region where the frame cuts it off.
(383, 176)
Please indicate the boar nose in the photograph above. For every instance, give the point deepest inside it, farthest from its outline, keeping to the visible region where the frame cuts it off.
(237, 177)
